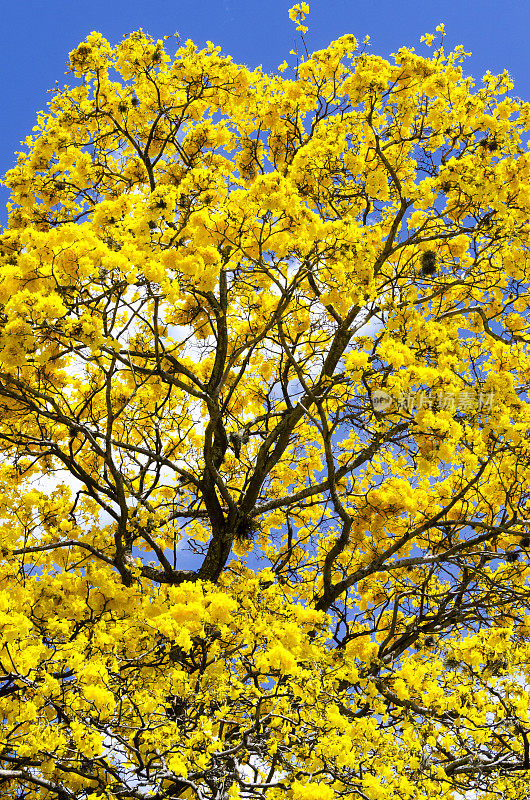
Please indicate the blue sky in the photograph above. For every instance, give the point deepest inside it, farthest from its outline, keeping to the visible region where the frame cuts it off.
(36, 36)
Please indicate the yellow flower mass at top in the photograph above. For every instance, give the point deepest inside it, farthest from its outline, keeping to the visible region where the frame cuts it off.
(227, 572)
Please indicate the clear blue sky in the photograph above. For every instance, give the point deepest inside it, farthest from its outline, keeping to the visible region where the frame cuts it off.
(36, 36)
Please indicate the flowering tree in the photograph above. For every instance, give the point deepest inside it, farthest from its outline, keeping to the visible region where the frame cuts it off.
(264, 473)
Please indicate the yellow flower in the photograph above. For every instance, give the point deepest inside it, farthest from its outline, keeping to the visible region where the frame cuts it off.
(177, 765)
(312, 791)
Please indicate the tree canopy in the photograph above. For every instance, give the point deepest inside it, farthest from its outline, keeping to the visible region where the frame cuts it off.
(264, 457)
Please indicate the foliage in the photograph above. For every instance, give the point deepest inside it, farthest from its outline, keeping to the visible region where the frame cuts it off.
(226, 571)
